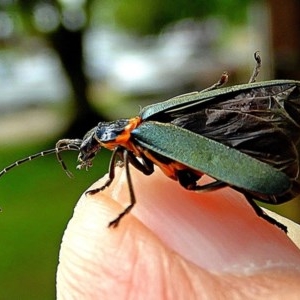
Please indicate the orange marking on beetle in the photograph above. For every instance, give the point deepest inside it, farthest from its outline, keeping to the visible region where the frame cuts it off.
(170, 169)
(123, 139)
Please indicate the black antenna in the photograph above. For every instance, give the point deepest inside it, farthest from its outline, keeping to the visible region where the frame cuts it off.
(66, 144)
(62, 145)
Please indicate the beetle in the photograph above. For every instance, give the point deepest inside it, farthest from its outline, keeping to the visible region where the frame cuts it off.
(243, 136)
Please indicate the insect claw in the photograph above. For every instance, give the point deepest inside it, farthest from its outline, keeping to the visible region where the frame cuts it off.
(115, 222)
(95, 191)
(92, 192)
(256, 68)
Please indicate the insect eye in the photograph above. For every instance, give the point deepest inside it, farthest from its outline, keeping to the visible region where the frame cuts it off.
(88, 149)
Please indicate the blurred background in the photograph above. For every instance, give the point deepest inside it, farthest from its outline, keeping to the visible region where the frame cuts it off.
(67, 64)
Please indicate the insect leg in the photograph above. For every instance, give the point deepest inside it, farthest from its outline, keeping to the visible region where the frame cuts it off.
(111, 174)
(211, 186)
(256, 68)
(70, 145)
(223, 79)
(259, 211)
(115, 222)
(188, 179)
(145, 165)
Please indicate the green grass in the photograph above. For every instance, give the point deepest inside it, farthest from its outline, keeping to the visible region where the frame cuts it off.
(34, 217)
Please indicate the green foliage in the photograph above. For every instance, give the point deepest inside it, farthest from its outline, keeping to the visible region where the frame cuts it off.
(152, 15)
(146, 17)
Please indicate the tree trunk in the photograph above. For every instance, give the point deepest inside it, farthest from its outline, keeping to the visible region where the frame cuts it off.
(69, 47)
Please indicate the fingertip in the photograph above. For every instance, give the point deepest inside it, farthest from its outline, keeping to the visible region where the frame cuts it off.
(90, 222)
(97, 262)
(94, 256)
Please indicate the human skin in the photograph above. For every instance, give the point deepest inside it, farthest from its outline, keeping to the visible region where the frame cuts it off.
(174, 244)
